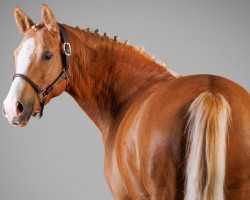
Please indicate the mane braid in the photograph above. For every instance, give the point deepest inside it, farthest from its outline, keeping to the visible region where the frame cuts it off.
(126, 42)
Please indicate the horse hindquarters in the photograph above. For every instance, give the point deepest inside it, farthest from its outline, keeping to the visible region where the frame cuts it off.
(207, 130)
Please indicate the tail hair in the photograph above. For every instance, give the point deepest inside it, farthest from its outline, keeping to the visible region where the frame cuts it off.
(209, 116)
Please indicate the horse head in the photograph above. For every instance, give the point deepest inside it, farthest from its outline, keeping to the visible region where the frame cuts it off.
(38, 61)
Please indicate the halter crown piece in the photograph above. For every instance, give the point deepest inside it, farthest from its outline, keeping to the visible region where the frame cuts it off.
(65, 74)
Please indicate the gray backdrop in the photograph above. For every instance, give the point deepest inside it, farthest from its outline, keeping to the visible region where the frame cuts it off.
(61, 155)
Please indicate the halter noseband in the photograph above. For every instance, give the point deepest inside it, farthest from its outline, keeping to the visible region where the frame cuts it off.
(65, 74)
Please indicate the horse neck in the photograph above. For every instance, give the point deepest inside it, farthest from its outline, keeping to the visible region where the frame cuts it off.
(106, 75)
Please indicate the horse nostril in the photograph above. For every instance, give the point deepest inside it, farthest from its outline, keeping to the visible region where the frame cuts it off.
(19, 107)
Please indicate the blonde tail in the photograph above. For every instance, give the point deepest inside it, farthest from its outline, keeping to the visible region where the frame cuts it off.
(209, 115)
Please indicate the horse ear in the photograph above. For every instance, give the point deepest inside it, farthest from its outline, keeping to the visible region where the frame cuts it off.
(22, 20)
(49, 19)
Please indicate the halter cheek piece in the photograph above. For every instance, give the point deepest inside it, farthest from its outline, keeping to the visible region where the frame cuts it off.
(65, 74)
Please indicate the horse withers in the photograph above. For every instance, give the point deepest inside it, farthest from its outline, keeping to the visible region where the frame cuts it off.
(165, 136)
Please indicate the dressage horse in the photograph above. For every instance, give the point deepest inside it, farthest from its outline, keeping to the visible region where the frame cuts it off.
(165, 136)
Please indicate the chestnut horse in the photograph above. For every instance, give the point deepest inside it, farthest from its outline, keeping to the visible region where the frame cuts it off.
(165, 136)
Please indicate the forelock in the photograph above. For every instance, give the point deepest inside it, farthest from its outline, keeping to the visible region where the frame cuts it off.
(37, 26)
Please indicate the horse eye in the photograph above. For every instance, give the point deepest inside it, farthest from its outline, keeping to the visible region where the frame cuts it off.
(47, 56)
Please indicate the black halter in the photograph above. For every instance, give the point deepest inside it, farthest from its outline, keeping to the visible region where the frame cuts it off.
(65, 74)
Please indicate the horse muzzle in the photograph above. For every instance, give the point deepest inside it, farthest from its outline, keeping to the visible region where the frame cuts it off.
(17, 114)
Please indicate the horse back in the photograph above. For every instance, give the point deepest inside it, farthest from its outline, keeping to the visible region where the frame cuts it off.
(151, 140)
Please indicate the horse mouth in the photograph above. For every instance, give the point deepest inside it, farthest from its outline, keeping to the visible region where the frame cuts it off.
(23, 120)
(24, 123)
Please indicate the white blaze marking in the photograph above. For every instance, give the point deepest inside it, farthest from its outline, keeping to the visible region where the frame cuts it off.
(23, 62)
(23, 58)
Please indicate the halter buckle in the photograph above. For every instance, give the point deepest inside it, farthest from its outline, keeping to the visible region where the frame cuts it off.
(42, 96)
(67, 48)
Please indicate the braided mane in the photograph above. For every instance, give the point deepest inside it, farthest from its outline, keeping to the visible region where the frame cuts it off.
(140, 50)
